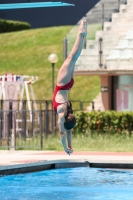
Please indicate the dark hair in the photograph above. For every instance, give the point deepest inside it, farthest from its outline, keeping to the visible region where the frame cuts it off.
(70, 120)
(70, 124)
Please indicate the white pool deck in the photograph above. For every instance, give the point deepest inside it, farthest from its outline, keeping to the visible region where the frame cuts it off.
(12, 157)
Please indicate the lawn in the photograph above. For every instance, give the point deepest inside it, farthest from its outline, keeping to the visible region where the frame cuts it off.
(26, 52)
(96, 142)
(104, 142)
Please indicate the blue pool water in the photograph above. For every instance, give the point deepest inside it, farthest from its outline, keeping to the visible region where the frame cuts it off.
(69, 184)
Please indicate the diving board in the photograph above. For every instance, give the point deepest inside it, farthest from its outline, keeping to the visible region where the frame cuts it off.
(33, 5)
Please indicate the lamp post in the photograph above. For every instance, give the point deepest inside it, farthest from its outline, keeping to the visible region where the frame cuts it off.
(53, 58)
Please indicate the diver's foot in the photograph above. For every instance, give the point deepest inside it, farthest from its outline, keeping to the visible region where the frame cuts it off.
(83, 27)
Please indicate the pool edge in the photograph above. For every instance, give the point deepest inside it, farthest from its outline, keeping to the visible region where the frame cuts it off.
(56, 164)
(42, 165)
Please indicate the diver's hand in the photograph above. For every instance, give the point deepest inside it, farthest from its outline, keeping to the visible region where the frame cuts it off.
(69, 151)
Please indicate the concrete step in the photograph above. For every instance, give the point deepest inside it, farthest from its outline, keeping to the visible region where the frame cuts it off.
(91, 43)
(92, 62)
(119, 25)
(90, 53)
(86, 60)
(122, 59)
(88, 67)
(121, 28)
(112, 33)
(99, 10)
(120, 64)
(110, 6)
(129, 2)
(126, 8)
(124, 43)
(90, 59)
(87, 52)
(107, 26)
(121, 18)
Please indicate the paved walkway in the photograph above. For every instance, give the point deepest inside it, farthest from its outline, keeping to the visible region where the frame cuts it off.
(23, 157)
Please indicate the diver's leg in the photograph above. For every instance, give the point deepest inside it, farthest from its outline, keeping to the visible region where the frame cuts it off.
(66, 71)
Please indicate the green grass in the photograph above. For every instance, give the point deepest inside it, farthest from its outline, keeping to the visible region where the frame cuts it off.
(26, 52)
(103, 142)
(97, 142)
(92, 28)
(90, 142)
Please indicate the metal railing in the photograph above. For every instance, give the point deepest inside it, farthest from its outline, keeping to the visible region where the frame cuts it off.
(26, 129)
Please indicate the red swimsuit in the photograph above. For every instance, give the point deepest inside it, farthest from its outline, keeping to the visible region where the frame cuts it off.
(68, 86)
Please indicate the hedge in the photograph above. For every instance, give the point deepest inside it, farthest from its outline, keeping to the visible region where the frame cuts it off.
(109, 121)
(10, 26)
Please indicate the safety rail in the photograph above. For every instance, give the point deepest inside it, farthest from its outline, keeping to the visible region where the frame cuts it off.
(24, 128)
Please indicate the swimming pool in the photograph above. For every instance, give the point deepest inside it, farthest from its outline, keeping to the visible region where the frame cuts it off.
(69, 184)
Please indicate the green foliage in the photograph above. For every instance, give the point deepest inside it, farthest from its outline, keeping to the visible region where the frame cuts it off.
(10, 26)
(109, 121)
(82, 122)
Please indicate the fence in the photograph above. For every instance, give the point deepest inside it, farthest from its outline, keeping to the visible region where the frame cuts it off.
(26, 129)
